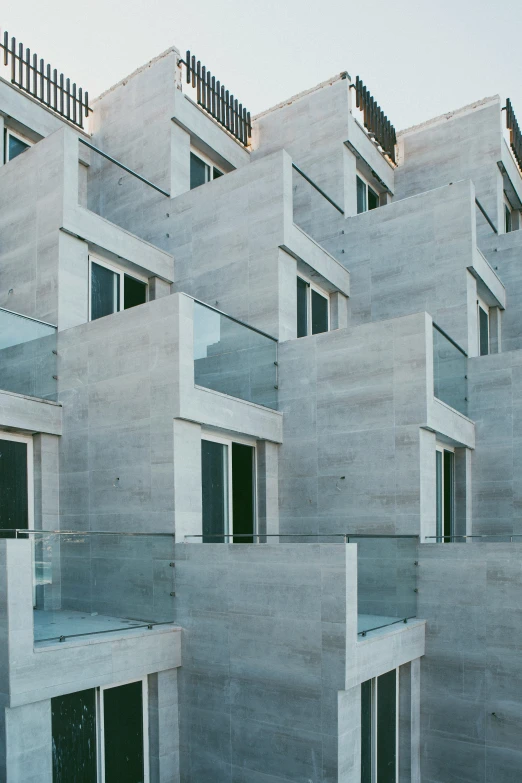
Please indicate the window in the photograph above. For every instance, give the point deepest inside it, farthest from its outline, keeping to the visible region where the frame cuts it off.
(379, 729)
(445, 493)
(367, 198)
(483, 327)
(508, 219)
(14, 145)
(16, 482)
(103, 732)
(228, 473)
(313, 309)
(202, 170)
(111, 290)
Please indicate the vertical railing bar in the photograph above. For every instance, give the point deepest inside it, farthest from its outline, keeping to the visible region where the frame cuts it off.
(13, 60)
(55, 90)
(80, 107)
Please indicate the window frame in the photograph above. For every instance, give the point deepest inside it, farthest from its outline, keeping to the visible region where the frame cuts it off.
(373, 721)
(311, 286)
(28, 440)
(441, 448)
(100, 726)
(209, 162)
(121, 272)
(481, 305)
(508, 215)
(368, 186)
(15, 135)
(228, 441)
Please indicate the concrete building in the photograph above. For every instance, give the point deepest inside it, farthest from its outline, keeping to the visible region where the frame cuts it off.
(260, 433)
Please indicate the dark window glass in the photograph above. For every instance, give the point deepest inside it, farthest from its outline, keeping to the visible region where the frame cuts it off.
(366, 732)
(199, 171)
(483, 331)
(508, 219)
(214, 481)
(123, 729)
(373, 199)
(105, 292)
(302, 307)
(134, 292)
(440, 502)
(14, 508)
(216, 173)
(319, 313)
(448, 493)
(73, 720)
(243, 492)
(387, 727)
(361, 196)
(16, 147)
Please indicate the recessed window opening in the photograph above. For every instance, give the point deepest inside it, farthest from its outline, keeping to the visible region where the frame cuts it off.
(112, 290)
(16, 482)
(483, 327)
(313, 309)
(445, 493)
(508, 219)
(367, 198)
(202, 170)
(228, 479)
(14, 145)
(379, 728)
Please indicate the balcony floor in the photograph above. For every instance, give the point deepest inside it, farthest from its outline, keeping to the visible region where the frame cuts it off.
(68, 623)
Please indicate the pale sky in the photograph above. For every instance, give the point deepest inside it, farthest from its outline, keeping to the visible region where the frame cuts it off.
(419, 59)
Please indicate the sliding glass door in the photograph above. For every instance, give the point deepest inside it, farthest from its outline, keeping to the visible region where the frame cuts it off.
(379, 729)
(445, 493)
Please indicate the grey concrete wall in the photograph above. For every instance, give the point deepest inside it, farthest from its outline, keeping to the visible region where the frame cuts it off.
(352, 403)
(471, 695)
(466, 144)
(264, 656)
(495, 400)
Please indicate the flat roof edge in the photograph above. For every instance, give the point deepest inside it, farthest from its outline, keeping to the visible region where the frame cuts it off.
(327, 83)
(470, 107)
(170, 50)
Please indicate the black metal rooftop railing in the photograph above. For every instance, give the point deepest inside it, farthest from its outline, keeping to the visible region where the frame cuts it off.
(215, 99)
(375, 121)
(514, 133)
(30, 74)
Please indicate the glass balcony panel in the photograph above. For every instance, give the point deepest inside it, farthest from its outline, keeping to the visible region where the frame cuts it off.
(27, 356)
(232, 358)
(449, 372)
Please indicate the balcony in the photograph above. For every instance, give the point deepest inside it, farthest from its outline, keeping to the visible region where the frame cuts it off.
(27, 356)
(450, 363)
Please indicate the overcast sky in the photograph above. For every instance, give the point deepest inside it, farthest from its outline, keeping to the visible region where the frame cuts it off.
(418, 58)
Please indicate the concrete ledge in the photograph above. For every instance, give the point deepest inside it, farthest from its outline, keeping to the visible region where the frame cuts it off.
(450, 423)
(30, 414)
(303, 248)
(482, 270)
(383, 652)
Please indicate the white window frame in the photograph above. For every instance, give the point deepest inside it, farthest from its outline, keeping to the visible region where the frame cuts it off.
(442, 447)
(100, 727)
(374, 743)
(209, 162)
(370, 185)
(15, 135)
(119, 270)
(228, 441)
(314, 287)
(28, 440)
(481, 304)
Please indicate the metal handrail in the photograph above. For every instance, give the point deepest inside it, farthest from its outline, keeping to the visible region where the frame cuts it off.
(387, 625)
(511, 536)
(236, 320)
(122, 166)
(344, 536)
(319, 190)
(479, 205)
(26, 531)
(450, 339)
(28, 317)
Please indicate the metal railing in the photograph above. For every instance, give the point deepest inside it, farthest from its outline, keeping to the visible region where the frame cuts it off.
(33, 76)
(506, 538)
(122, 166)
(28, 357)
(217, 101)
(318, 189)
(450, 384)
(515, 135)
(487, 217)
(375, 121)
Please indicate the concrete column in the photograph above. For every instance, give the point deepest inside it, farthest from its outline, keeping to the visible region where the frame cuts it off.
(179, 161)
(472, 347)
(286, 318)
(495, 320)
(350, 182)
(338, 310)
(187, 479)
(46, 481)
(28, 738)
(158, 288)
(2, 135)
(463, 492)
(409, 722)
(267, 488)
(163, 727)
(73, 281)
(428, 496)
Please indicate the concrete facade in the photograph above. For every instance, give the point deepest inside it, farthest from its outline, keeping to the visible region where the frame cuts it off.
(255, 656)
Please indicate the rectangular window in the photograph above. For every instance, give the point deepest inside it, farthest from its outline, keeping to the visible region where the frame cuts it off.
(16, 482)
(123, 747)
(111, 290)
(445, 494)
(14, 145)
(228, 472)
(73, 721)
(483, 327)
(379, 729)
(313, 309)
(202, 170)
(367, 197)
